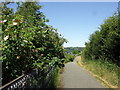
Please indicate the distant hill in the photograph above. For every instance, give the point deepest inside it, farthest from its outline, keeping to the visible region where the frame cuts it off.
(73, 50)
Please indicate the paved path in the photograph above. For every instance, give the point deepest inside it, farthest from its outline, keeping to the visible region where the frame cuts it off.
(75, 76)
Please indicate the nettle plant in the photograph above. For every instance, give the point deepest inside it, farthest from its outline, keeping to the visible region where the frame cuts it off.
(28, 42)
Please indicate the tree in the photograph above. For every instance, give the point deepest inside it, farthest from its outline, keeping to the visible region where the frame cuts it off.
(104, 44)
(28, 42)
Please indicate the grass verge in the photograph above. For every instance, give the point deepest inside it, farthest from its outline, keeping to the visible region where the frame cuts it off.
(54, 81)
(106, 72)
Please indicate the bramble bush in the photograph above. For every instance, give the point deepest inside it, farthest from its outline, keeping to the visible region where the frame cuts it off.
(27, 41)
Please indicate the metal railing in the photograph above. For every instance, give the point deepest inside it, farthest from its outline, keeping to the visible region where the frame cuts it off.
(24, 81)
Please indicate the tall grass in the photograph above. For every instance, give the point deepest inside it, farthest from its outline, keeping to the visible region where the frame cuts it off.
(54, 81)
(106, 70)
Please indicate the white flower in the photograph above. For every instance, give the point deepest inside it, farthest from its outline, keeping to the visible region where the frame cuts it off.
(41, 54)
(3, 21)
(13, 20)
(25, 41)
(15, 23)
(59, 33)
(18, 57)
(54, 31)
(5, 38)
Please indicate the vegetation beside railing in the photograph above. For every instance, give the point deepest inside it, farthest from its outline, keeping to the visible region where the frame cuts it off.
(55, 81)
(35, 79)
(27, 41)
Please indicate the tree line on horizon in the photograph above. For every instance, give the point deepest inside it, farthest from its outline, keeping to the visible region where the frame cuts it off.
(73, 50)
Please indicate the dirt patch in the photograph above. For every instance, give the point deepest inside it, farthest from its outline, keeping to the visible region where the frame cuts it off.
(79, 58)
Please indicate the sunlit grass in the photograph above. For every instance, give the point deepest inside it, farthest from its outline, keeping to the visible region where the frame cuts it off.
(104, 69)
(54, 82)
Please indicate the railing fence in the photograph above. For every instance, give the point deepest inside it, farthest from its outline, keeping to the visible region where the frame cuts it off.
(34, 79)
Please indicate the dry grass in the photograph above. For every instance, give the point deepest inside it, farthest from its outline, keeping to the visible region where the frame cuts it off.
(106, 72)
(60, 78)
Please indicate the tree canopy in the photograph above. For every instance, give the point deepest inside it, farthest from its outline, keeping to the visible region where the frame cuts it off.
(104, 44)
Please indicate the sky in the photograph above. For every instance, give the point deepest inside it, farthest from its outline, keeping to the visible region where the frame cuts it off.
(76, 21)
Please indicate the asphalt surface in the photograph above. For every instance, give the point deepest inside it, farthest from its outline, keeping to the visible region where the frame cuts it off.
(75, 76)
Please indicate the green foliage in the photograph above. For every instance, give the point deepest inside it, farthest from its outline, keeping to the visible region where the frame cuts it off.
(76, 52)
(54, 82)
(104, 44)
(73, 50)
(28, 42)
(69, 57)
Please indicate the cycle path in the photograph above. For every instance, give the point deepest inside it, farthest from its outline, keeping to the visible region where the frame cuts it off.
(75, 76)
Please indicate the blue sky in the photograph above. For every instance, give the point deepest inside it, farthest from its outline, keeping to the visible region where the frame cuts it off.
(76, 21)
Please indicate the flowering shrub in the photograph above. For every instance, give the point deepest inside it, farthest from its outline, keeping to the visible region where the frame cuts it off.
(28, 42)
